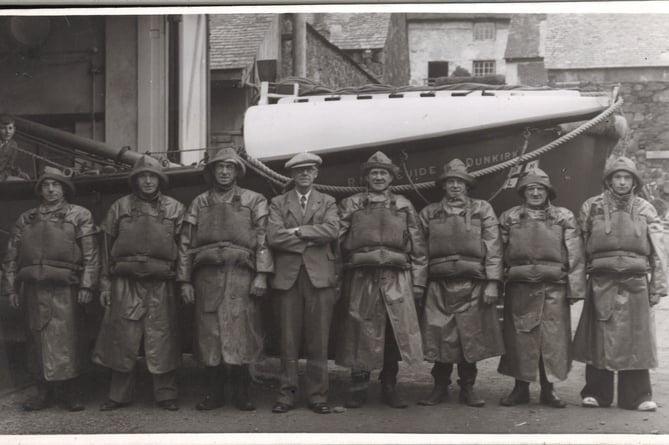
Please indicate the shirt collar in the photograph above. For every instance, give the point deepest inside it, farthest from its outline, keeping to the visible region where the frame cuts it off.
(306, 195)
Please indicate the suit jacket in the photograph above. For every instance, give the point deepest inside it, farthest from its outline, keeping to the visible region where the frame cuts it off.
(319, 229)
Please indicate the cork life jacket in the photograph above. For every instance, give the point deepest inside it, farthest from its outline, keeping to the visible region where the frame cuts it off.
(145, 246)
(49, 251)
(618, 241)
(535, 250)
(225, 235)
(378, 236)
(455, 245)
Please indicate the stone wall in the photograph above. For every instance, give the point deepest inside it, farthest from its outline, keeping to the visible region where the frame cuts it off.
(646, 108)
(326, 64)
(396, 53)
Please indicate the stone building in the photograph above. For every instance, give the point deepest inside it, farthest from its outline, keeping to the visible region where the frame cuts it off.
(525, 48)
(376, 41)
(631, 50)
(464, 45)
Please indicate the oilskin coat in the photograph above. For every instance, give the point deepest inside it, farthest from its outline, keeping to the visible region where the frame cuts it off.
(536, 305)
(617, 328)
(457, 326)
(51, 307)
(140, 307)
(228, 325)
(372, 294)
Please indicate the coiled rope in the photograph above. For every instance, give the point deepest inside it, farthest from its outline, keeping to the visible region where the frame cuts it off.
(281, 180)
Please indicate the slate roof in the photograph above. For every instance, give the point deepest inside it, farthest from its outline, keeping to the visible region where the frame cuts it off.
(582, 41)
(456, 16)
(234, 39)
(349, 31)
(524, 41)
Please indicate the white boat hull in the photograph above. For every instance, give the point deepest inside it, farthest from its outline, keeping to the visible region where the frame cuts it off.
(324, 124)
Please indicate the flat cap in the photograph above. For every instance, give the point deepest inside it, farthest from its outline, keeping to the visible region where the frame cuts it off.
(304, 159)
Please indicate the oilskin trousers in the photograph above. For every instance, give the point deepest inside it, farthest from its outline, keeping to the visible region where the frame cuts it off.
(633, 387)
(391, 357)
(306, 314)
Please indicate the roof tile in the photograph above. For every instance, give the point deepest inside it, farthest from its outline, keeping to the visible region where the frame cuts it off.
(524, 36)
(350, 31)
(234, 39)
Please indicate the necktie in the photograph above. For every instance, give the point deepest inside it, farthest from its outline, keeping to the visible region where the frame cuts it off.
(303, 203)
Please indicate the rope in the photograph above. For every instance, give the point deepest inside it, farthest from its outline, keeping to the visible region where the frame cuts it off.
(405, 156)
(281, 180)
(41, 158)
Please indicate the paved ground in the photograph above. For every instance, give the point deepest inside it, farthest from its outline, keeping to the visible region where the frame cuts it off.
(144, 417)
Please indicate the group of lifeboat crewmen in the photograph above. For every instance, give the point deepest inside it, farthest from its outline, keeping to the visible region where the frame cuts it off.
(415, 286)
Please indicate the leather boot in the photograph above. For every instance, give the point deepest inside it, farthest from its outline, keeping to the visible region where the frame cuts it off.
(439, 394)
(43, 399)
(550, 398)
(356, 399)
(391, 397)
(214, 398)
(519, 394)
(469, 397)
(242, 382)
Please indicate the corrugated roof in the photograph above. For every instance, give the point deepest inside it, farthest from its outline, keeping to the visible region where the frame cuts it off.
(606, 40)
(350, 31)
(234, 39)
(524, 39)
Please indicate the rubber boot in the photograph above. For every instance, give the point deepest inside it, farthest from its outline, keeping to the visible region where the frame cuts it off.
(391, 397)
(43, 399)
(438, 395)
(241, 379)
(469, 397)
(357, 395)
(467, 373)
(442, 379)
(215, 398)
(519, 394)
(550, 398)
(70, 396)
(548, 395)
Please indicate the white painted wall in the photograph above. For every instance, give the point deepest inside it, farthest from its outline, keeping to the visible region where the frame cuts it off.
(452, 41)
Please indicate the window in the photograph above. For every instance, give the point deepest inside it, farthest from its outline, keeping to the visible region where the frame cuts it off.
(484, 31)
(484, 68)
(436, 69)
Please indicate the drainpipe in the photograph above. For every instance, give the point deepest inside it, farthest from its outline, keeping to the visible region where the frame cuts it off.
(300, 45)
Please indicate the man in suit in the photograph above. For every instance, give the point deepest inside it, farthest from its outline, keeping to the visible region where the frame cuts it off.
(302, 229)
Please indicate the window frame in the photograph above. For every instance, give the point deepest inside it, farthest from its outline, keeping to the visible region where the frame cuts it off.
(484, 72)
(484, 31)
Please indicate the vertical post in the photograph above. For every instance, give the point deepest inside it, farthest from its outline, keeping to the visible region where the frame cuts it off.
(299, 45)
(152, 85)
(193, 86)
